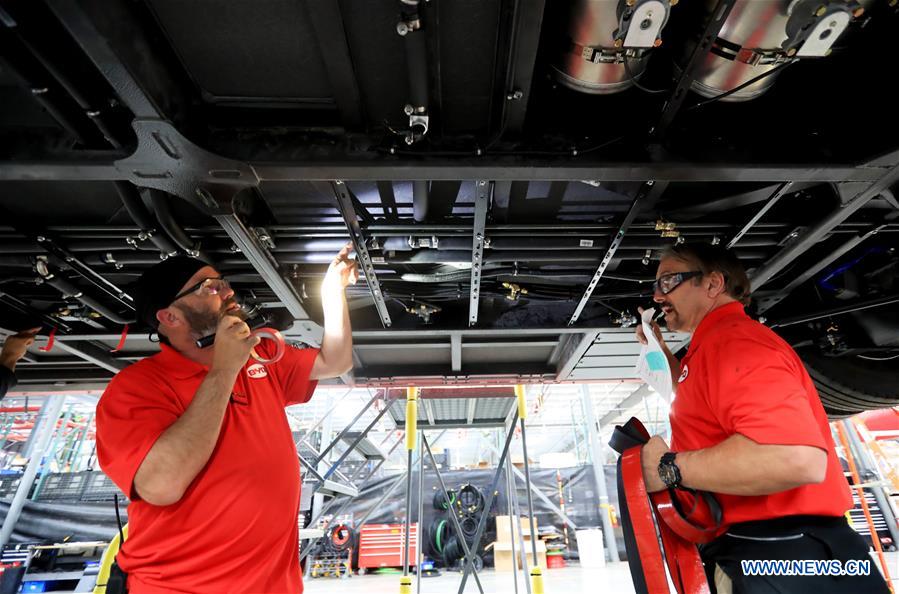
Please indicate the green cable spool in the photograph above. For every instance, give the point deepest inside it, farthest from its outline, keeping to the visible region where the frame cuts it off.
(438, 542)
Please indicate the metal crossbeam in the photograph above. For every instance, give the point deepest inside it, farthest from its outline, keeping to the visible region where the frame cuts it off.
(816, 233)
(781, 191)
(469, 555)
(478, 238)
(491, 494)
(697, 58)
(93, 353)
(345, 205)
(647, 193)
(766, 303)
(264, 263)
(837, 311)
(78, 168)
(523, 54)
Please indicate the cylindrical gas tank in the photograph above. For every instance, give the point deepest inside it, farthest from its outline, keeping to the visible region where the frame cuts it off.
(760, 35)
(601, 35)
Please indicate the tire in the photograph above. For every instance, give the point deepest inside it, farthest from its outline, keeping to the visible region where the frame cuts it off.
(849, 385)
(469, 526)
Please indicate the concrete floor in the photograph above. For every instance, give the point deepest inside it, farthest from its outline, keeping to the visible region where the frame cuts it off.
(569, 580)
(615, 577)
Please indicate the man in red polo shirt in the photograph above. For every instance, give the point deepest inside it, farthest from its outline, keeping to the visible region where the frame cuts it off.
(199, 441)
(748, 426)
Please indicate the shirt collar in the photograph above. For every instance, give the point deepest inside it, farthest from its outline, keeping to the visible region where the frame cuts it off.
(734, 308)
(177, 364)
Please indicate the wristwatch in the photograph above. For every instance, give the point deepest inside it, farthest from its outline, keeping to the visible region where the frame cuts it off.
(669, 472)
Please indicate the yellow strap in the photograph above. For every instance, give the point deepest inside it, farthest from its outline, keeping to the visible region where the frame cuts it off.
(536, 580)
(522, 403)
(406, 584)
(411, 417)
(106, 560)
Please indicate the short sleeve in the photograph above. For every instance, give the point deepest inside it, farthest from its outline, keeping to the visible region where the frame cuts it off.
(292, 373)
(133, 412)
(756, 390)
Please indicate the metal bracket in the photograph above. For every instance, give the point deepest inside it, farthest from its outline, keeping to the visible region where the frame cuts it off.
(345, 206)
(482, 199)
(641, 26)
(165, 160)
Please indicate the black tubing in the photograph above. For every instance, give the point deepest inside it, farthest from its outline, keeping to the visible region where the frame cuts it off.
(134, 205)
(471, 500)
(440, 501)
(163, 207)
(416, 61)
(68, 289)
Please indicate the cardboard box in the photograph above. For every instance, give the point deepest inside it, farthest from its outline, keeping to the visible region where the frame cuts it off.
(502, 555)
(503, 531)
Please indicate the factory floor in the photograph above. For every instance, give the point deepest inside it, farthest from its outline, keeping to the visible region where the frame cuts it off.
(568, 580)
(614, 577)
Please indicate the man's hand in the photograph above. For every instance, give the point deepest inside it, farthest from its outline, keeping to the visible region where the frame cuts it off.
(15, 347)
(343, 271)
(233, 344)
(652, 455)
(656, 330)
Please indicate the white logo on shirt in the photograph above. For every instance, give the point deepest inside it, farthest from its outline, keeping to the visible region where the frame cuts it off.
(256, 371)
(683, 374)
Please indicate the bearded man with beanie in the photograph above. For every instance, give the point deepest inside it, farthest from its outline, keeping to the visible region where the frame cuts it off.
(199, 441)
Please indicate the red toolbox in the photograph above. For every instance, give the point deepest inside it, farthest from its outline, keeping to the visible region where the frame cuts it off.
(381, 545)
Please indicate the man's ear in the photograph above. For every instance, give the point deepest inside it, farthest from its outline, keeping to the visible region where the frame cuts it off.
(717, 284)
(168, 318)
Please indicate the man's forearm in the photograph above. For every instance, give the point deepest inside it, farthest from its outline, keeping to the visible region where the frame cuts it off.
(740, 466)
(337, 343)
(184, 448)
(8, 362)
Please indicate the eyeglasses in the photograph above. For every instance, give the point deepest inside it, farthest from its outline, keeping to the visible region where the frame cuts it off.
(207, 286)
(668, 282)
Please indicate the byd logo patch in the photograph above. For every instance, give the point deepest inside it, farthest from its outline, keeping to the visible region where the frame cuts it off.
(256, 371)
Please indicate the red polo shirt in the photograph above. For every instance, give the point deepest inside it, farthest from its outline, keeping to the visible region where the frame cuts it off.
(235, 528)
(740, 377)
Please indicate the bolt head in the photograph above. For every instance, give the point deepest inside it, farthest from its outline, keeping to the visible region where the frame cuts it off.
(408, 109)
(619, 43)
(657, 43)
(393, 150)
(820, 11)
(858, 12)
(41, 238)
(673, 2)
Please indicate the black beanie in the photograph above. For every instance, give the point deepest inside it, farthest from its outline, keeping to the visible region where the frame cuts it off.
(158, 286)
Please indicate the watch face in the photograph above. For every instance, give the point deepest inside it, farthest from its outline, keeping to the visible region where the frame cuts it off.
(668, 475)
